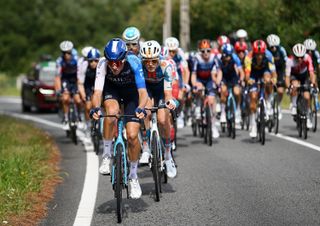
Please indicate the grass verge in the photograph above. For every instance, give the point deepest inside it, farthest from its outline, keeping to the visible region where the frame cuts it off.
(28, 172)
(8, 85)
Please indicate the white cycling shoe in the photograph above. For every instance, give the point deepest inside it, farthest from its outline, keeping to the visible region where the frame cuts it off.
(215, 132)
(65, 125)
(309, 123)
(134, 189)
(253, 132)
(105, 166)
(171, 168)
(144, 159)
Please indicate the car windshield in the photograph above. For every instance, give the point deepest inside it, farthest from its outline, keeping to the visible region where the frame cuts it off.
(47, 72)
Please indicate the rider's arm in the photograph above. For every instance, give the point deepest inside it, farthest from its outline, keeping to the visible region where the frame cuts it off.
(57, 79)
(311, 69)
(82, 67)
(238, 66)
(99, 83)
(288, 72)
(167, 82)
(247, 68)
(194, 72)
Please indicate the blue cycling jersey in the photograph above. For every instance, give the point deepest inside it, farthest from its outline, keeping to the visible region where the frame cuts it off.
(67, 69)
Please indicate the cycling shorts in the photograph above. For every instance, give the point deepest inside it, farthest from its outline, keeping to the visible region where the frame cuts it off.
(155, 91)
(68, 86)
(208, 84)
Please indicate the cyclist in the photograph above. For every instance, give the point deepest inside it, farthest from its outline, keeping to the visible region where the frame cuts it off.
(299, 71)
(158, 77)
(86, 78)
(311, 46)
(259, 66)
(131, 36)
(222, 39)
(280, 57)
(120, 76)
(242, 37)
(241, 50)
(84, 52)
(232, 76)
(177, 55)
(205, 72)
(66, 79)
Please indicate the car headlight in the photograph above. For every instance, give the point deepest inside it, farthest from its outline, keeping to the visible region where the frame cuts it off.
(46, 91)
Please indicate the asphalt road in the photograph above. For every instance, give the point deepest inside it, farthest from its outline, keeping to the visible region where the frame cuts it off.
(234, 182)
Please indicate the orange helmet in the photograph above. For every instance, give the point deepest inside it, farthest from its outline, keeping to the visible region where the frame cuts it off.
(204, 44)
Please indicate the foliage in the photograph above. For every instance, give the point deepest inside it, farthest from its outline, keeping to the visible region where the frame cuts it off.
(30, 28)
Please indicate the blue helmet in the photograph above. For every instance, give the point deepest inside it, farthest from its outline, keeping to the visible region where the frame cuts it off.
(115, 49)
(227, 49)
(93, 54)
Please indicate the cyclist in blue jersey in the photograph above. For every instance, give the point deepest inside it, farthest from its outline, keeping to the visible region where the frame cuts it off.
(232, 76)
(280, 58)
(158, 77)
(66, 79)
(204, 75)
(86, 78)
(177, 55)
(120, 77)
(131, 36)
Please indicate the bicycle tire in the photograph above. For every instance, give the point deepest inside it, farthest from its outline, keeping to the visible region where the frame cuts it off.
(74, 135)
(262, 123)
(314, 114)
(304, 128)
(304, 112)
(209, 126)
(118, 182)
(276, 114)
(233, 119)
(155, 165)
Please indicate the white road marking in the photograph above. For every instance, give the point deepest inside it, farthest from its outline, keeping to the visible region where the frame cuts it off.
(90, 186)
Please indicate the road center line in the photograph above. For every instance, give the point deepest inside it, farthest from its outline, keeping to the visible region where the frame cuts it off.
(90, 186)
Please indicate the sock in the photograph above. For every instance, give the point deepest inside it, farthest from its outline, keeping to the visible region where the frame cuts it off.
(66, 116)
(253, 119)
(294, 101)
(133, 170)
(167, 145)
(107, 145)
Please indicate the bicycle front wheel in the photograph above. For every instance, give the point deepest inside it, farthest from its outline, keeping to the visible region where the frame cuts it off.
(262, 124)
(314, 119)
(209, 126)
(118, 188)
(155, 166)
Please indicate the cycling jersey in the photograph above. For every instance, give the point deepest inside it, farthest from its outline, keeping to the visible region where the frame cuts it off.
(204, 69)
(67, 70)
(230, 75)
(280, 57)
(87, 76)
(293, 67)
(255, 70)
(181, 62)
(159, 80)
(123, 86)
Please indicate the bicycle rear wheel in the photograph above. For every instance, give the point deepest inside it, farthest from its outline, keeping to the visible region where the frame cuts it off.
(118, 188)
(155, 166)
(262, 123)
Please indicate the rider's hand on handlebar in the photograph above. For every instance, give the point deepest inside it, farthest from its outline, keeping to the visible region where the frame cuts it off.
(141, 113)
(274, 80)
(251, 81)
(172, 104)
(95, 113)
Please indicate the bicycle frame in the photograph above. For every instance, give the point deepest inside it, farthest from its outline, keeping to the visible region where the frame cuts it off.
(231, 98)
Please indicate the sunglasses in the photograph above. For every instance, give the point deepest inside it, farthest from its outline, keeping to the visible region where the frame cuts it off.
(66, 53)
(151, 62)
(205, 51)
(131, 44)
(172, 51)
(117, 64)
(90, 61)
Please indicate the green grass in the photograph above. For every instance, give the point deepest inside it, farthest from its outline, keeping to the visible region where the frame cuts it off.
(8, 85)
(24, 154)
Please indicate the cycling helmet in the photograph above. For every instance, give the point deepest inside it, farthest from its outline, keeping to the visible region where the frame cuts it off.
(131, 34)
(273, 40)
(94, 54)
(204, 44)
(85, 51)
(172, 43)
(241, 33)
(299, 50)
(223, 40)
(66, 46)
(310, 44)
(115, 49)
(259, 46)
(164, 52)
(240, 46)
(150, 49)
(227, 49)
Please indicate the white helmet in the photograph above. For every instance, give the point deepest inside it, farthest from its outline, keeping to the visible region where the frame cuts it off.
(85, 51)
(66, 46)
(273, 40)
(299, 50)
(310, 44)
(241, 33)
(131, 34)
(150, 49)
(172, 43)
(164, 52)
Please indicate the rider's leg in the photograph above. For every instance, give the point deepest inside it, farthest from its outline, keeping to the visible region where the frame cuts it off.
(65, 104)
(253, 109)
(212, 104)
(294, 95)
(132, 129)
(223, 100)
(164, 124)
(268, 91)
